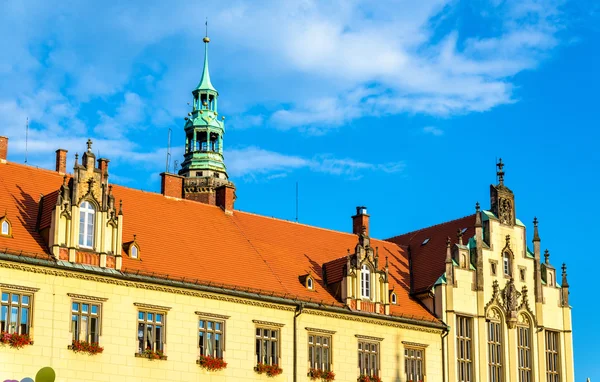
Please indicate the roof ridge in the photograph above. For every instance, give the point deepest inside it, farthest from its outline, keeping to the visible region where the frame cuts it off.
(429, 227)
(32, 167)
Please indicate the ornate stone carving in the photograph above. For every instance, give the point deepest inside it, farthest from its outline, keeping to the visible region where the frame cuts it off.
(505, 211)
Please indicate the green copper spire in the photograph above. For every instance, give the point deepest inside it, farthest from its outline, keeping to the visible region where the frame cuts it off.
(205, 83)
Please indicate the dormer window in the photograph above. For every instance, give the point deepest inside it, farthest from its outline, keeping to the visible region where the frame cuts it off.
(309, 283)
(506, 263)
(393, 298)
(365, 282)
(133, 252)
(5, 228)
(87, 215)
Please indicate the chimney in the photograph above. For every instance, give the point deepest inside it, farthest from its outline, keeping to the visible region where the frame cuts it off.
(103, 167)
(171, 185)
(61, 161)
(361, 219)
(3, 148)
(226, 198)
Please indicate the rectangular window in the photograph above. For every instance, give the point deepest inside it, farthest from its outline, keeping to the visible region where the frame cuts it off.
(414, 364)
(151, 331)
(464, 348)
(267, 346)
(495, 351)
(15, 312)
(319, 351)
(552, 360)
(85, 321)
(368, 358)
(524, 350)
(211, 338)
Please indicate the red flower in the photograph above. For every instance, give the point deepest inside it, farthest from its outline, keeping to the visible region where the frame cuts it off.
(270, 370)
(366, 378)
(15, 340)
(212, 363)
(86, 347)
(326, 376)
(151, 354)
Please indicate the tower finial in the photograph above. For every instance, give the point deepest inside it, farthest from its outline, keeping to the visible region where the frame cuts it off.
(206, 39)
(89, 145)
(547, 257)
(536, 234)
(500, 172)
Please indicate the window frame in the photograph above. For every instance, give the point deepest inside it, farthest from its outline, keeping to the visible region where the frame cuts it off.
(9, 304)
(84, 214)
(552, 356)
(393, 298)
(495, 350)
(3, 221)
(368, 354)
(506, 264)
(464, 340)
(314, 346)
(411, 359)
(214, 319)
(154, 310)
(365, 282)
(524, 353)
(91, 301)
(260, 340)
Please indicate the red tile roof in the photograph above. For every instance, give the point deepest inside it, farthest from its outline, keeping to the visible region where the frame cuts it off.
(195, 241)
(428, 259)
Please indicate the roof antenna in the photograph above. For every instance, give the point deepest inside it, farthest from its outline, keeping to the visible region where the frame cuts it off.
(26, 137)
(296, 201)
(168, 151)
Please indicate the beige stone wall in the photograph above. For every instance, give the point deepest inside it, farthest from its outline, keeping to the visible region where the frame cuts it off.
(51, 335)
(462, 299)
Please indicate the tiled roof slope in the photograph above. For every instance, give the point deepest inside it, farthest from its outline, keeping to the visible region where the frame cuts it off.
(428, 260)
(181, 238)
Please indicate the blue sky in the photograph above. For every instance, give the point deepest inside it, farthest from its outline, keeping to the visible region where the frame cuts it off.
(401, 106)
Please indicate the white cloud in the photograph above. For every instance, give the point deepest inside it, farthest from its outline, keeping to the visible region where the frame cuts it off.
(433, 131)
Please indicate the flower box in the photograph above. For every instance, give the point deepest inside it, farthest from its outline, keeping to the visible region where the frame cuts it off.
(211, 363)
(270, 370)
(15, 340)
(367, 378)
(91, 348)
(326, 376)
(152, 355)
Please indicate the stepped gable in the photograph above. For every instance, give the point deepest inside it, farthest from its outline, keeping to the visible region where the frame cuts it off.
(180, 238)
(428, 256)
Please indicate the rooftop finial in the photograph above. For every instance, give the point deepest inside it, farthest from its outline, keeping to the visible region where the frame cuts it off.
(565, 283)
(89, 145)
(500, 172)
(547, 257)
(478, 223)
(459, 235)
(206, 39)
(536, 234)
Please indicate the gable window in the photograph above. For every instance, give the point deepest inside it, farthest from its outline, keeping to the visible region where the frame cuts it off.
(495, 351)
(211, 337)
(365, 282)
(151, 331)
(506, 263)
(133, 252)
(319, 352)
(368, 358)
(267, 345)
(85, 321)
(5, 227)
(87, 215)
(464, 345)
(552, 360)
(414, 363)
(15, 312)
(393, 298)
(524, 353)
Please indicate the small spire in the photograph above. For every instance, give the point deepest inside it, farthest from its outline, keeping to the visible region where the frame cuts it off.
(121, 207)
(205, 83)
(547, 257)
(76, 160)
(448, 252)
(500, 172)
(477, 216)
(459, 236)
(134, 236)
(565, 283)
(536, 235)
(448, 242)
(89, 145)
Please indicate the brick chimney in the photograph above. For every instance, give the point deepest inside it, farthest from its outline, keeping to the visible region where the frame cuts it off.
(103, 167)
(226, 198)
(171, 185)
(3, 149)
(61, 161)
(361, 219)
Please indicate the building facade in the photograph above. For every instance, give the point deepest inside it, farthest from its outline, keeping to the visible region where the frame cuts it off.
(102, 282)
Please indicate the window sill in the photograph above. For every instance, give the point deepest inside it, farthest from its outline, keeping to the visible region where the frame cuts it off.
(138, 355)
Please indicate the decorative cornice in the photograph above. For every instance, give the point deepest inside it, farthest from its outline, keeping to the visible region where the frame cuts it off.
(367, 320)
(268, 323)
(414, 344)
(212, 315)
(316, 330)
(84, 297)
(152, 307)
(19, 288)
(368, 338)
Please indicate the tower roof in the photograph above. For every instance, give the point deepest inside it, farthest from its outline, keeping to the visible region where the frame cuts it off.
(205, 83)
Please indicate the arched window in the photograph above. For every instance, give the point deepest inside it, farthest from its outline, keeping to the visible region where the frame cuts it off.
(133, 252)
(365, 282)
(309, 283)
(495, 349)
(87, 215)
(506, 263)
(393, 298)
(524, 348)
(5, 228)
